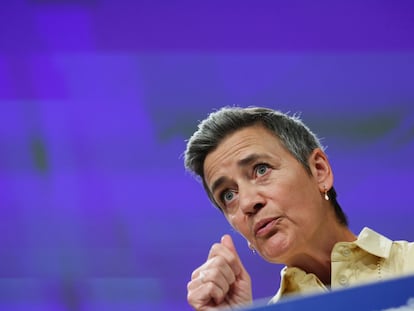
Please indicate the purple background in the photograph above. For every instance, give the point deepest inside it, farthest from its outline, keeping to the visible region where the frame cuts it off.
(98, 97)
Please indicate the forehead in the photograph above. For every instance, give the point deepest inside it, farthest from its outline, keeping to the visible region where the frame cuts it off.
(255, 136)
(239, 145)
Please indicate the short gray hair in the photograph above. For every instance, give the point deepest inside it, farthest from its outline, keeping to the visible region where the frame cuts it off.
(295, 136)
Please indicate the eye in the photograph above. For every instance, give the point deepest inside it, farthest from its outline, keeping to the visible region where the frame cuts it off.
(227, 196)
(261, 169)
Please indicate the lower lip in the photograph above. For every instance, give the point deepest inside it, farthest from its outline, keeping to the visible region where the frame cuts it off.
(267, 229)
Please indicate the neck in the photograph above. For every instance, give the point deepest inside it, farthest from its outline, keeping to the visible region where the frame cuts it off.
(317, 258)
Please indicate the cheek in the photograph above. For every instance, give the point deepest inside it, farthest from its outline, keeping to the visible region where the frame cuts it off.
(232, 220)
(296, 202)
(237, 224)
(299, 191)
(305, 209)
(285, 196)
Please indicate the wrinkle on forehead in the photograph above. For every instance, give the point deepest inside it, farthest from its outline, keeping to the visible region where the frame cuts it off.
(238, 145)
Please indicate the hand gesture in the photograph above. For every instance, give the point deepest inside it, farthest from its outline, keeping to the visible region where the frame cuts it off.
(221, 281)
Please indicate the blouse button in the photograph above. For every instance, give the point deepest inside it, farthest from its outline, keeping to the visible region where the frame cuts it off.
(343, 280)
(346, 252)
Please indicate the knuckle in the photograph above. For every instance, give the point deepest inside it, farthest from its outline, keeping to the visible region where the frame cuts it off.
(232, 260)
(189, 286)
(215, 248)
(232, 278)
(218, 262)
(226, 287)
(214, 273)
(210, 287)
(194, 274)
(190, 295)
(217, 293)
(191, 300)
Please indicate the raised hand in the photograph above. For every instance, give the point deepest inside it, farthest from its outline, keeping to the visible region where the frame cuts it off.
(221, 281)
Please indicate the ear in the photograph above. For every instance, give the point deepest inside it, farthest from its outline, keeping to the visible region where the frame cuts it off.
(321, 169)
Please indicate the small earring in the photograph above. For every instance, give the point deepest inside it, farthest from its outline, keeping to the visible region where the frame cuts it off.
(251, 248)
(326, 193)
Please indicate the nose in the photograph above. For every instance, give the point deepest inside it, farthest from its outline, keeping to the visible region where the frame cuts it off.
(250, 200)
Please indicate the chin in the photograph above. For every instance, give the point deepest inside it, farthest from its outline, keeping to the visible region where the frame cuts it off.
(272, 258)
(275, 250)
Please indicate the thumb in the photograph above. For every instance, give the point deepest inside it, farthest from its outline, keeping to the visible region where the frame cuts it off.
(227, 241)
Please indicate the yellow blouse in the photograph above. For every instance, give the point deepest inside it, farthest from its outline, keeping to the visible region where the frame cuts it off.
(372, 257)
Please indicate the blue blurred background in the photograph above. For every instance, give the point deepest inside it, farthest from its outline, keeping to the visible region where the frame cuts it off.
(97, 98)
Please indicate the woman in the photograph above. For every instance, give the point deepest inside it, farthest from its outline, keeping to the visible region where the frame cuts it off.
(269, 176)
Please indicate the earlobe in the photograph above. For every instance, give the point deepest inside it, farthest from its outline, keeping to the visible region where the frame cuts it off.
(326, 197)
(321, 169)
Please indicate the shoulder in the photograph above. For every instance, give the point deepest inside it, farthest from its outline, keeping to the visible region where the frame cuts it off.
(400, 253)
(396, 253)
(403, 252)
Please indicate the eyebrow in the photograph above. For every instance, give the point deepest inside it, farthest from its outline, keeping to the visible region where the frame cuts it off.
(241, 163)
(249, 159)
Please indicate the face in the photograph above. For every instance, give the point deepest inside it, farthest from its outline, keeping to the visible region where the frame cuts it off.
(266, 194)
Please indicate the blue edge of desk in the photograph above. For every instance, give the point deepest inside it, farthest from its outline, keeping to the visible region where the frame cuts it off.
(378, 296)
